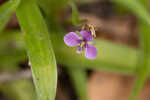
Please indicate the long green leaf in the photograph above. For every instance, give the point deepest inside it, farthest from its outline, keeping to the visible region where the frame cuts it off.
(39, 48)
(79, 80)
(144, 58)
(124, 62)
(144, 61)
(139, 8)
(6, 11)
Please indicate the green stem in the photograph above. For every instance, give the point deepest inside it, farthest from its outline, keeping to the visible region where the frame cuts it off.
(144, 57)
(144, 61)
(79, 80)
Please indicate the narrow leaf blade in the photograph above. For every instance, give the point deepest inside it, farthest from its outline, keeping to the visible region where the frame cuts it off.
(79, 80)
(39, 49)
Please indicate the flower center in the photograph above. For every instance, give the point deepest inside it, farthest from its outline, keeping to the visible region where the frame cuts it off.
(82, 44)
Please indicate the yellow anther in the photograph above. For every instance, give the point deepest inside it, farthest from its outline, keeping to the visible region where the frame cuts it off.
(82, 44)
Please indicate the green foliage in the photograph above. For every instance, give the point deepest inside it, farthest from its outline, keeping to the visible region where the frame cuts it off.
(139, 9)
(124, 62)
(40, 52)
(18, 90)
(52, 11)
(79, 80)
(36, 37)
(12, 45)
(67, 56)
(144, 60)
(75, 15)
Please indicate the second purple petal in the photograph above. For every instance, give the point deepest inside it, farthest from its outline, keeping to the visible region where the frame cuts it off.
(86, 35)
(71, 39)
(90, 52)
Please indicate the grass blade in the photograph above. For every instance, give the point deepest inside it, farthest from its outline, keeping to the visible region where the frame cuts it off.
(139, 8)
(144, 61)
(75, 14)
(79, 80)
(39, 49)
(124, 62)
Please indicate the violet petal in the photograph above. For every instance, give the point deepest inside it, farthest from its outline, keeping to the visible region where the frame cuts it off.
(87, 36)
(90, 51)
(71, 39)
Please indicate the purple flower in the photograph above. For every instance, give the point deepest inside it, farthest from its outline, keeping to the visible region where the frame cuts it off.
(83, 43)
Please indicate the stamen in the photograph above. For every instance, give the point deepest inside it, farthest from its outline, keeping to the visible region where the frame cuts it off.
(82, 44)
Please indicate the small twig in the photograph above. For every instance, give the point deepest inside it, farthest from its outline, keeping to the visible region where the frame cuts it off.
(7, 76)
